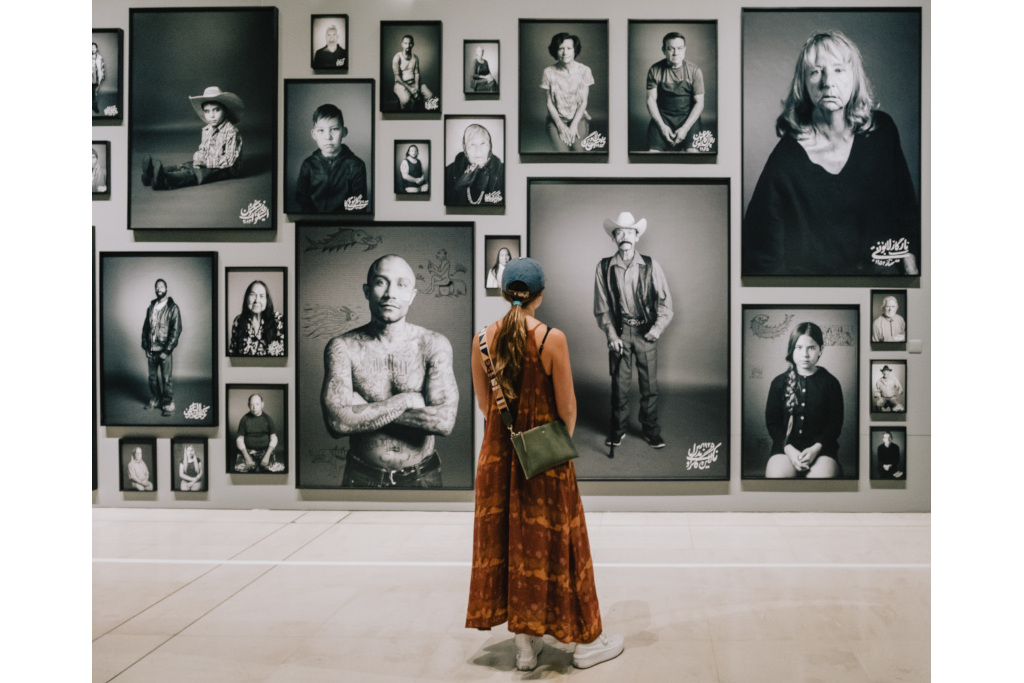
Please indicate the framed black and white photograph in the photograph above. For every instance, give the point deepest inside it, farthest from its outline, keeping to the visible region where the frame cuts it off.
(107, 75)
(158, 339)
(328, 35)
(673, 87)
(889, 388)
(255, 312)
(257, 428)
(474, 153)
(100, 169)
(498, 250)
(410, 67)
(563, 87)
(888, 453)
(189, 457)
(481, 66)
(800, 392)
(137, 464)
(652, 387)
(810, 76)
(889, 318)
(384, 392)
(192, 107)
(328, 146)
(412, 168)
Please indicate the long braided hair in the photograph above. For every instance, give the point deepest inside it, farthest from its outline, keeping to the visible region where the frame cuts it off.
(814, 332)
(509, 347)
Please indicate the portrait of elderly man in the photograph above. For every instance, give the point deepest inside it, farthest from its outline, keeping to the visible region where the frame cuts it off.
(477, 175)
(890, 326)
(389, 386)
(256, 440)
(332, 55)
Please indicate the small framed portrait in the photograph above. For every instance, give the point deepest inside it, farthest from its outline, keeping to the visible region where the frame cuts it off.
(255, 312)
(188, 463)
(498, 250)
(137, 458)
(800, 392)
(410, 67)
(412, 168)
(481, 62)
(889, 388)
(474, 173)
(328, 34)
(158, 339)
(888, 453)
(563, 87)
(328, 146)
(673, 87)
(889, 318)
(100, 169)
(198, 91)
(257, 428)
(107, 75)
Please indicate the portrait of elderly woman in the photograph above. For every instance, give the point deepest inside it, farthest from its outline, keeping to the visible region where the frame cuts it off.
(259, 330)
(836, 195)
(476, 174)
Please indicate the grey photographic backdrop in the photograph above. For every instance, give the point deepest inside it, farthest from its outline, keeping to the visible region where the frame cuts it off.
(688, 235)
(275, 406)
(766, 331)
(125, 447)
(492, 55)
(492, 245)
(426, 45)
(331, 264)
(423, 150)
(201, 446)
(899, 437)
(237, 280)
(110, 44)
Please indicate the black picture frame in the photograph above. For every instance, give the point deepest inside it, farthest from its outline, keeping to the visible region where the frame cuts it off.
(889, 395)
(595, 136)
(303, 160)
(127, 282)
(411, 189)
(688, 236)
(197, 476)
(331, 266)
(864, 221)
(101, 180)
(885, 334)
(645, 47)
(767, 329)
(275, 408)
(470, 182)
(321, 60)
(484, 81)
(143, 479)
(108, 94)
(172, 73)
(274, 326)
(492, 267)
(887, 463)
(426, 47)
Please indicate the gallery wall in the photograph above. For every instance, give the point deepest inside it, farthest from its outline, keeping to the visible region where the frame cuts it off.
(494, 21)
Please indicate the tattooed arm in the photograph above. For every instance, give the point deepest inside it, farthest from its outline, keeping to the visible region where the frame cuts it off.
(439, 388)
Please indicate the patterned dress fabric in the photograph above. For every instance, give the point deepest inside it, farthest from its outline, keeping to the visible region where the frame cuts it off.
(531, 555)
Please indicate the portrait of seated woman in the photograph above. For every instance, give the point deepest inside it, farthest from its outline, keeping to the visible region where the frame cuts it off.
(258, 330)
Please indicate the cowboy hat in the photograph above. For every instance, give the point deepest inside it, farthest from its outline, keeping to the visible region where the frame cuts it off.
(625, 220)
(231, 102)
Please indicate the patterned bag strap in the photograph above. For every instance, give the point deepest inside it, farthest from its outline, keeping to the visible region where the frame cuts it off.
(499, 396)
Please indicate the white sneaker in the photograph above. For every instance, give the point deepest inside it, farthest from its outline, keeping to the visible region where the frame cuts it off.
(601, 650)
(551, 641)
(527, 649)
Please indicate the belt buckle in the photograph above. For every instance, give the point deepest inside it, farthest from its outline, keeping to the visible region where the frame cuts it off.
(391, 476)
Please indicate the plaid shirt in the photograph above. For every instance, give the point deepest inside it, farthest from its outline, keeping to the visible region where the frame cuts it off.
(221, 147)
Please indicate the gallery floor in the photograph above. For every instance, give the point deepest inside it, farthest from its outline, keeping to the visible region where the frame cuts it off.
(265, 595)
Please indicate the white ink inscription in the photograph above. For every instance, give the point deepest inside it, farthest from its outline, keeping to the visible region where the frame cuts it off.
(703, 141)
(890, 252)
(256, 211)
(594, 141)
(432, 104)
(702, 455)
(356, 203)
(196, 411)
(494, 197)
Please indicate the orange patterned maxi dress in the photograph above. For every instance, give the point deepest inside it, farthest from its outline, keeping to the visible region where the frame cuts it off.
(531, 556)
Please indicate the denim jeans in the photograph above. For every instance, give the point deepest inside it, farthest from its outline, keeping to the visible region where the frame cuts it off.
(361, 475)
(646, 355)
(161, 384)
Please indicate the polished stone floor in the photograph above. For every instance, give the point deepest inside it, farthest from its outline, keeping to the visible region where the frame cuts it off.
(278, 595)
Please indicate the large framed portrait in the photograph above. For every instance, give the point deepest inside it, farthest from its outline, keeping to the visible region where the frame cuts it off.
(563, 87)
(100, 169)
(498, 250)
(474, 150)
(673, 71)
(800, 415)
(412, 169)
(481, 65)
(888, 389)
(328, 146)
(328, 35)
(137, 464)
(189, 457)
(257, 429)
(410, 67)
(809, 209)
(384, 392)
(889, 319)
(888, 453)
(158, 339)
(192, 107)
(107, 75)
(652, 384)
(255, 312)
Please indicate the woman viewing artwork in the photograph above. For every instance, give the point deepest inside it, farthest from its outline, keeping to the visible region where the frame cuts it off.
(567, 83)
(258, 330)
